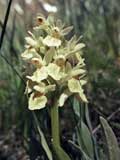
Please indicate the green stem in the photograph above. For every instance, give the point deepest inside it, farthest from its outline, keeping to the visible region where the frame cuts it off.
(55, 125)
(59, 152)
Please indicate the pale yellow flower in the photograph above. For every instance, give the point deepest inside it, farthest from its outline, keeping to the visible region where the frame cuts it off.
(38, 99)
(51, 41)
(29, 53)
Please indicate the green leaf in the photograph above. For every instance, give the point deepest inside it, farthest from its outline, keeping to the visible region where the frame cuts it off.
(43, 140)
(45, 145)
(113, 149)
(83, 133)
(85, 140)
(88, 121)
(76, 107)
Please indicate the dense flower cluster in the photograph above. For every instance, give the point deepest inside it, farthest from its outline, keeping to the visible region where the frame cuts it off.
(57, 64)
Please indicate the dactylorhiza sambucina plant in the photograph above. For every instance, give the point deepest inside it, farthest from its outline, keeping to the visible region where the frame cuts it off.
(57, 69)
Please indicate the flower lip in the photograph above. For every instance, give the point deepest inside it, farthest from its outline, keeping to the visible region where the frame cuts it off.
(37, 101)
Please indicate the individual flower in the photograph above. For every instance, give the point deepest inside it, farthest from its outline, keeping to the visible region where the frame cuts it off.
(38, 98)
(29, 53)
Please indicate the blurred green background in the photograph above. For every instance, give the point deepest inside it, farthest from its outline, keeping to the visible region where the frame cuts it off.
(98, 22)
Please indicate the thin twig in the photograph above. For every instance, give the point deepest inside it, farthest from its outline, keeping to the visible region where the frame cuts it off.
(6, 60)
(108, 118)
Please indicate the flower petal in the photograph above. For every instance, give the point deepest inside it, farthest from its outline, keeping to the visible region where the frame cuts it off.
(74, 85)
(54, 71)
(28, 54)
(49, 55)
(51, 42)
(40, 88)
(83, 97)
(76, 72)
(79, 46)
(31, 41)
(50, 88)
(80, 59)
(27, 89)
(39, 75)
(83, 82)
(62, 99)
(37, 102)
